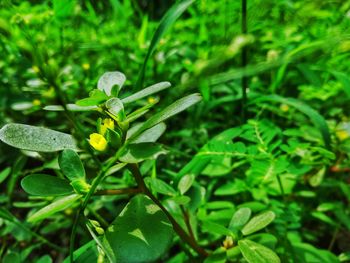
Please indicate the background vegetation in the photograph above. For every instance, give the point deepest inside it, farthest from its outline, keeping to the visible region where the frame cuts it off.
(270, 134)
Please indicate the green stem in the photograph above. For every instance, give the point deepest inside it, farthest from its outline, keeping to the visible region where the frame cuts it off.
(87, 197)
(177, 228)
(118, 191)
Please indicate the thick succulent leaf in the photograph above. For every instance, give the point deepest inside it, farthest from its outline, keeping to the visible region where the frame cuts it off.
(135, 153)
(258, 222)
(240, 218)
(110, 79)
(256, 253)
(173, 109)
(132, 235)
(147, 91)
(45, 185)
(70, 107)
(71, 165)
(56, 206)
(37, 139)
(185, 183)
(114, 106)
(150, 135)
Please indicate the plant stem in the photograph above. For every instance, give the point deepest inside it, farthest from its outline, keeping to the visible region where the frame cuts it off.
(177, 228)
(118, 191)
(187, 222)
(244, 61)
(95, 183)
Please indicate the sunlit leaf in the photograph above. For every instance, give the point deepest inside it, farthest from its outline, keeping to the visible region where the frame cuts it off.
(33, 138)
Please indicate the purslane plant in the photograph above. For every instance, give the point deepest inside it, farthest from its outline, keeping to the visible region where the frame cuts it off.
(143, 231)
(127, 147)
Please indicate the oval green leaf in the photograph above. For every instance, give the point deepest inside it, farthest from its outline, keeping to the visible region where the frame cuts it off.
(258, 222)
(56, 206)
(173, 109)
(132, 235)
(240, 218)
(256, 253)
(45, 185)
(110, 79)
(147, 91)
(36, 139)
(71, 165)
(135, 153)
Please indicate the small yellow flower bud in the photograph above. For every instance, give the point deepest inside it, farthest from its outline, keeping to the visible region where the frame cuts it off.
(152, 100)
(98, 142)
(342, 135)
(86, 66)
(284, 107)
(36, 69)
(36, 102)
(107, 124)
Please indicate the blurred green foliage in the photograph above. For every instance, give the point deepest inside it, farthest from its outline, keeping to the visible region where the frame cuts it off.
(290, 154)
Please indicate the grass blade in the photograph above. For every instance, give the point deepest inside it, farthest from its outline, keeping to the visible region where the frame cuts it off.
(166, 22)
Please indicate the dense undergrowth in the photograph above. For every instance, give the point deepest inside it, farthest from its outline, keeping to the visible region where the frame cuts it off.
(252, 166)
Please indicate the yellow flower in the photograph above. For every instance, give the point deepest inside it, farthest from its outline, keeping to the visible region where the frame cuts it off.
(342, 135)
(36, 69)
(36, 102)
(98, 142)
(86, 66)
(284, 107)
(152, 100)
(107, 124)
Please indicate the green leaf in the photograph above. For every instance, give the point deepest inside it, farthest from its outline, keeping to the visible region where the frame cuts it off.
(135, 153)
(215, 228)
(173, 109)
(38, 139)
(71, 165)
(132, 235)
(56, 206)
(265, 239)
(150, 135)
(344, 79)
(314, 116)
(110, 79)
(5, 214)
(185, 183)
(240, 218)
(146, 92)
(44, 259)
(96, 97)
(70, 107)
(256, 253)
(85, 254)
(258, 222)
(218, 256)
(4, 174)
(115, 106)
(169, 18)
(45, 185)
(160, 186)
(12, 257)
(305, 253)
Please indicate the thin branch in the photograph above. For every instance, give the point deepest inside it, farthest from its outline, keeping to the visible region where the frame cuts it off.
(187, 221)
(118, 191)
